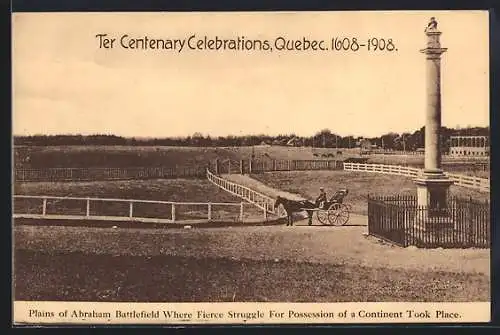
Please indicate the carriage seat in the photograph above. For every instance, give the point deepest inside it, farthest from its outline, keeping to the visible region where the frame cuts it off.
(339, 196)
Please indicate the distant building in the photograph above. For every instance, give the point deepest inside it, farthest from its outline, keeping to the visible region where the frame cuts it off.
(365, 145)
(469, 146)
(294, 142)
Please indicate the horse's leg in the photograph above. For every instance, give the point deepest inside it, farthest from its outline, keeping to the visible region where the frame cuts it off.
(309, 214)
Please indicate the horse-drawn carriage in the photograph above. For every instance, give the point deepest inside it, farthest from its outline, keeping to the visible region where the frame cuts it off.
(331, 212)
(334, 212)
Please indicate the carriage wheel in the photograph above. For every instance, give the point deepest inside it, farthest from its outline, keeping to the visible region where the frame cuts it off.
(338, 214)
(322, 216)
(346, 210)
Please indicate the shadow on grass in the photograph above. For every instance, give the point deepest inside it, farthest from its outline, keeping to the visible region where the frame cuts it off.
(126, 224)
(167, 278)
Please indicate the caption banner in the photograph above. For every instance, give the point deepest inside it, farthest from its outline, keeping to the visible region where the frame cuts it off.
(250, 313)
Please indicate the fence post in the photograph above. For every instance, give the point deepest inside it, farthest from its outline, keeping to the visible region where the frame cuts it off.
(88, 207)
(241, 166)
(130, 211)
(44, 207)
(241, 211)
(265, 213)
(209, 211)
(173, 212)
(250, 167)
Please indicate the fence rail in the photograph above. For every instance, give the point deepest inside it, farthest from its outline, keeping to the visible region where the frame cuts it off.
(464, 223)
(92, 174)
(199, 171)
(481, 184)
(109, 209)
(258, 199)
(268, 165)
(243, 166)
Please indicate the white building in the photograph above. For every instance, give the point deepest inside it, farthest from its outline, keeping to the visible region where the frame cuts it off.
(469, 146)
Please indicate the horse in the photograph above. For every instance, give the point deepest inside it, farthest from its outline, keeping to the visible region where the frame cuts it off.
(292, 206)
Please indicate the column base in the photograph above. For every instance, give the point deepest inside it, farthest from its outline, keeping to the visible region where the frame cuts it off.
(432, 195)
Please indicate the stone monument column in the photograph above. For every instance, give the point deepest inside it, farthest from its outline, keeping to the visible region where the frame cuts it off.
(433, 184)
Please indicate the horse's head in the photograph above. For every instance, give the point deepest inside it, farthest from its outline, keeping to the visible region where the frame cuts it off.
(278, 201)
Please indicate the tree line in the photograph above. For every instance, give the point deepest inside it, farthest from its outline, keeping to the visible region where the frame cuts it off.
(322, 139)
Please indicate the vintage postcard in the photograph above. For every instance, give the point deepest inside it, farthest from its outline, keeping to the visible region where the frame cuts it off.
(251, 168)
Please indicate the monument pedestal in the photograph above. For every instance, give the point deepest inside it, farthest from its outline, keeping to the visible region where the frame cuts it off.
(432, 195)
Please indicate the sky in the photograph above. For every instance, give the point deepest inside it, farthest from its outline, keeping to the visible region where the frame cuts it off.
(63, 83)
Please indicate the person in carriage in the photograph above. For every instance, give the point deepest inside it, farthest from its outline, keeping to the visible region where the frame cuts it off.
(338, 197)
(321, 199)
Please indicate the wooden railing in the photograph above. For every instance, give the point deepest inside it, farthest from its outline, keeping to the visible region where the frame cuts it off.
(222, 166)
(381, 168)
(268, 165)
(74, 208)
(480, 184)
(258, 199)
(92, 174)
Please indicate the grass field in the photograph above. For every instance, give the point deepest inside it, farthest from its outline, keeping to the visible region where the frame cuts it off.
(275, 264)
(123, 156)
(151, 156)
(359, 184)
(176, 190)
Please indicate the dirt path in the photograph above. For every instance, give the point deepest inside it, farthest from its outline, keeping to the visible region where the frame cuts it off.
(254, 184)
(301, 243)
(261, 187)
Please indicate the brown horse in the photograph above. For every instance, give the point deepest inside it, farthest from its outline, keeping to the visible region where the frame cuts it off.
(292, 206)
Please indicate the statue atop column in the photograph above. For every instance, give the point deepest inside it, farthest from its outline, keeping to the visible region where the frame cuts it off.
(432, 25)
(433, 44)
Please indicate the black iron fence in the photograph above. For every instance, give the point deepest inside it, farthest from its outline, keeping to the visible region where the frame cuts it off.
(464, 223)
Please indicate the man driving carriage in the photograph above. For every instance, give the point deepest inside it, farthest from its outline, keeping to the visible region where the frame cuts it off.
(321, 199)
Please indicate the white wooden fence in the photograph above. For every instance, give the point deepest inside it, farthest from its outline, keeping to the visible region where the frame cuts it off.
(87, 206)
(480, 184)
(381, 168)
(258, 199)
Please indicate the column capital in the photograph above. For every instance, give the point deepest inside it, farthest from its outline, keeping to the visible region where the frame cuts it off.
(432, 32)
(433, 51)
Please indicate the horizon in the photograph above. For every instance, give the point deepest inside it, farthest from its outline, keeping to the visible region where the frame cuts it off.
(156, 94)
(241, 135)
